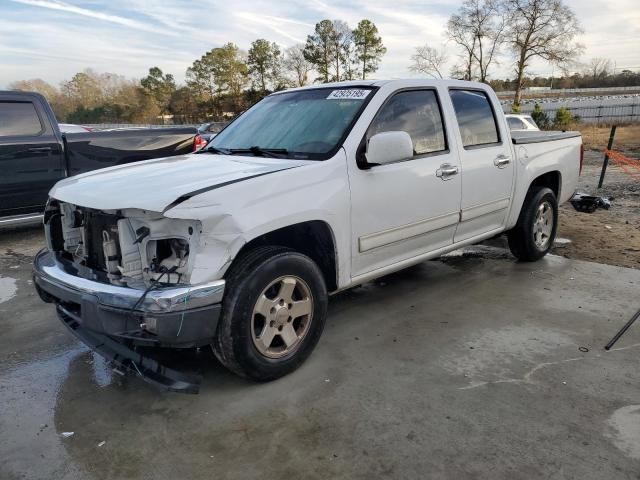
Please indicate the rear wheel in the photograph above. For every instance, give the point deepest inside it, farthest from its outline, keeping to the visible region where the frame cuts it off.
(273, 313)
(533, 235)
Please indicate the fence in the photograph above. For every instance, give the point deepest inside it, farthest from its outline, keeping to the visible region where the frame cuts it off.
(565, 91)
(615, 113)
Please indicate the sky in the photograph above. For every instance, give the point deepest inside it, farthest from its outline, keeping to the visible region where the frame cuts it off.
(54, 39)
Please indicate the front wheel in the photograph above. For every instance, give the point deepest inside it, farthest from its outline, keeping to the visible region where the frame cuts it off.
(533, 235)
(273, 313)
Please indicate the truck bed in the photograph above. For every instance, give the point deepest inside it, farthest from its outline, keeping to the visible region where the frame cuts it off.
(519, 138)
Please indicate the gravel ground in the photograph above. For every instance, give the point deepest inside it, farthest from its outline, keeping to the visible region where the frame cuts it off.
(605, 236)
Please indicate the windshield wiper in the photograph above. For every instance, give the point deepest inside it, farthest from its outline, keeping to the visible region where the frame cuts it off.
(261, 152)
(223, 151)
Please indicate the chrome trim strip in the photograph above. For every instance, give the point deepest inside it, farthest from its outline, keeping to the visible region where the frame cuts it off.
(404, 232)
(51, 276)
(484, 209)
(394, 267)
(16, 220)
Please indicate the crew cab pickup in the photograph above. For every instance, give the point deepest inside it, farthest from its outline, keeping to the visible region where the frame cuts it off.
(309, 192)
(34, 155)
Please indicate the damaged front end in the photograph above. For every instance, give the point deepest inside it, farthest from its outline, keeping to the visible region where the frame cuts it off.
(121, 280)
(129, 246)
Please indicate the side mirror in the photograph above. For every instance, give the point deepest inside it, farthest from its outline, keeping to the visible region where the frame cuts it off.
(389, 147)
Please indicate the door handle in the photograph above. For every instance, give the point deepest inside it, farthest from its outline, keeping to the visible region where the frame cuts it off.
(40, 150)
(446, 171)
(502, 161)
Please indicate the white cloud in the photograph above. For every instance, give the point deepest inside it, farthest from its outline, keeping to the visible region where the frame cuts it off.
(66, 7)
(129, 36)
(274, 24)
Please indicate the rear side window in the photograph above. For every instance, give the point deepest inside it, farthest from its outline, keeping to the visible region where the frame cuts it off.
(475, 117)
(416, 112)
(516, 123)
(18, 119)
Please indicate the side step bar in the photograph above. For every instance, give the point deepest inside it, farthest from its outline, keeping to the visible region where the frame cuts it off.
(20, 220)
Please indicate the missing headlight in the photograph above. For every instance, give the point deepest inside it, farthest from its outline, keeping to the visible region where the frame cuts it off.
(169, 258)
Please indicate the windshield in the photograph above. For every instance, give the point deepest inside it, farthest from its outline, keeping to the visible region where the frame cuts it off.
(307, 124)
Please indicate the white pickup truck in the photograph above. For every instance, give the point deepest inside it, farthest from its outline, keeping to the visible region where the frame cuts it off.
(309, 192)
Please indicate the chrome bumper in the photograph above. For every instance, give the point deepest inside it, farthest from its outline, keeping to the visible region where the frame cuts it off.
(179, 316)
(58, 276)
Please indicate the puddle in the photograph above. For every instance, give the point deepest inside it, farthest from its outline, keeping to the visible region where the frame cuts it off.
(29, 391)
(625, 422)
(8, 289)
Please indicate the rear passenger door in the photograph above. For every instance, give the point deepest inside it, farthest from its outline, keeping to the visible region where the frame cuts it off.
(487, 166)
(30, 154)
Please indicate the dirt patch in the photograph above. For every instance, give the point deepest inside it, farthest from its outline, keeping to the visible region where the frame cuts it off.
(595, 137)
(605, 236)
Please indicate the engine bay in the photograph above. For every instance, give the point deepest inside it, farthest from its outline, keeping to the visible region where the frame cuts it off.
(127, 245)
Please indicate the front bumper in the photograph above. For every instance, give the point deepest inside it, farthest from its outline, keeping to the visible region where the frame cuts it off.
(179, 316)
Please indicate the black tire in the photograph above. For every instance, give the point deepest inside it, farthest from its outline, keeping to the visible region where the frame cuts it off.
(246, 280)
(521, 238)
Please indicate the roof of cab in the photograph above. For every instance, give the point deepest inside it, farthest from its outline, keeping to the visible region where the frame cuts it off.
(407, 82)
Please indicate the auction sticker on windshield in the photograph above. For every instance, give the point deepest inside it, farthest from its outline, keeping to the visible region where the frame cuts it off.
(352, 94)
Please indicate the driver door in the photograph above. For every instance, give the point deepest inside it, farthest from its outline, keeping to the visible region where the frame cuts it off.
(407, 208)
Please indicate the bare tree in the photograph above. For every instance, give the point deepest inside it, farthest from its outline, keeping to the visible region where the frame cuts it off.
(598, 68)
(486, 19)
(477, 27)
(460, 71)
(342, 39)
(296, 64)
(459, 33)
(428, 60)
(543, 29)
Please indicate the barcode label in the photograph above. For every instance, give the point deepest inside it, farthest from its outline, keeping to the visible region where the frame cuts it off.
(351, 94)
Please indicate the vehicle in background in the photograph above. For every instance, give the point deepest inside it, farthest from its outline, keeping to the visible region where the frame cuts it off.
(35, 154)
(518, 122)
(209, 130)
(71, 128)
(311, 191)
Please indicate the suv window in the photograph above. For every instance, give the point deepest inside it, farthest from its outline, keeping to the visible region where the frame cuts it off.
(475, 117)
(19, 118)
(516, 123)
(531, 121)
(416, 112)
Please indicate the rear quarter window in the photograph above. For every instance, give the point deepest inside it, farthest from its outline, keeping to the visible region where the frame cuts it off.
(19, 119)
(475, 116)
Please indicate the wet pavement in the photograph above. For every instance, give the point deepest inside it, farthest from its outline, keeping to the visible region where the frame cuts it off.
(471, 367)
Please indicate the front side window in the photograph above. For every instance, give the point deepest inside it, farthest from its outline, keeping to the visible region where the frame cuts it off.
(416, 112)
(308, 124)
(19, 119)
(475, 117)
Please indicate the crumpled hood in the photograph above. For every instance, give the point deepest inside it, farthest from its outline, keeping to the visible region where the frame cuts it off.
(156, 184)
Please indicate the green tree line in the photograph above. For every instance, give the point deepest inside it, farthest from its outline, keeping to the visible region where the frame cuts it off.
(221, 83)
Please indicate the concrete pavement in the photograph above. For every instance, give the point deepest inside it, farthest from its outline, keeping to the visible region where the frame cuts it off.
(464, 368)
